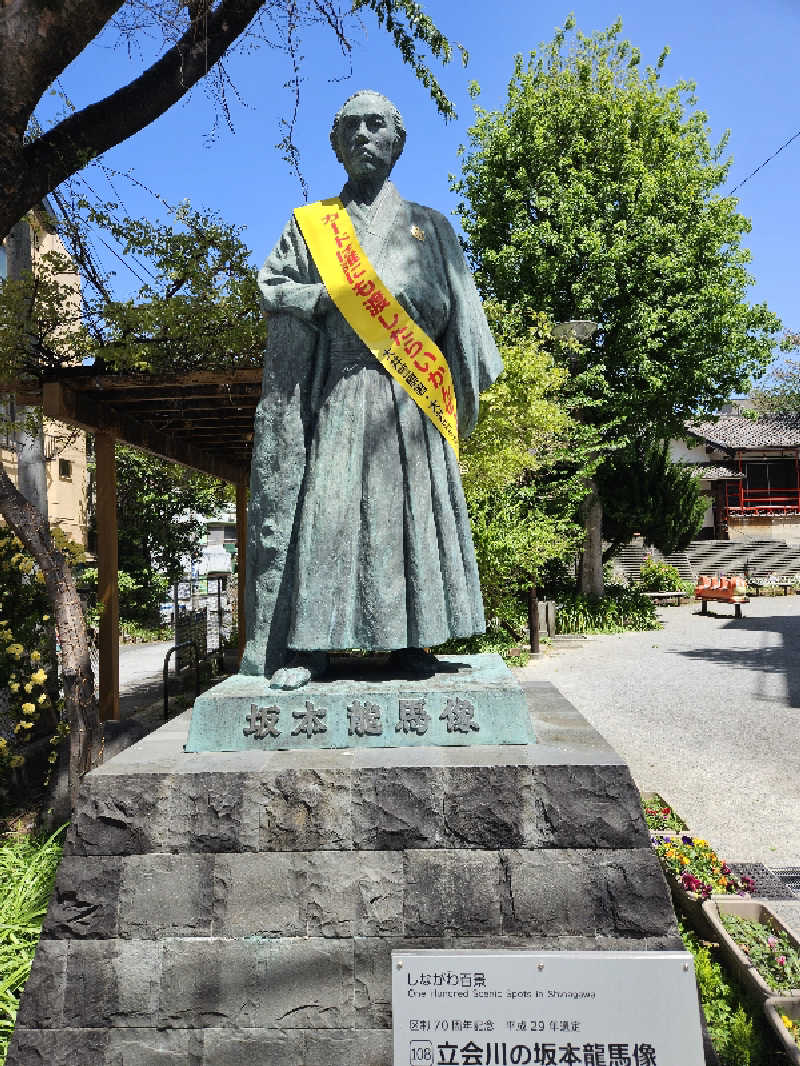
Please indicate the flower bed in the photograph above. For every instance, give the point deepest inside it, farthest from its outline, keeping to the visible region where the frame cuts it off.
(660, 817)
(783, 1014)
(697, 867)
(694, 873)
(756, 944)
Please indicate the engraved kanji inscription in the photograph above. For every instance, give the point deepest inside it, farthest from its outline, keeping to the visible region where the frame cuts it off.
(459, 715)
(310, 721)
(262, 722)
(364, 719)
(412, 717)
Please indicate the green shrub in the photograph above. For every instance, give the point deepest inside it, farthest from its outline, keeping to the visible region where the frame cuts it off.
(735, 1027)
(27, 871)
(27, 656)
(658, 576)
(620, 610)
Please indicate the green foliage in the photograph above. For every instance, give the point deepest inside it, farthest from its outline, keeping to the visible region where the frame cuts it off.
(409, 26)
(160, 507)
(197, 307)
(644, 492)
(499, 637)
(27, 873)
(780, 393)
(660, 817)
(658, 576)
(737, 1033)
(26, 652)
(593, 195)
(619, 610)
(525, 465)
(769, 949)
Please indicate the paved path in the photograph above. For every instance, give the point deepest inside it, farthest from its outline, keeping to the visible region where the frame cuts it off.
(706, 711)
(141, 674)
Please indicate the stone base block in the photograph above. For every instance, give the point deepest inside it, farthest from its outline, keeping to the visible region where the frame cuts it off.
(214, 908)
(471, 699)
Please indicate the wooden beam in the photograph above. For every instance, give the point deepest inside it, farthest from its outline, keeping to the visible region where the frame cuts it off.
(107, 583)
(96, 415)
(138, 382)
(241, 561)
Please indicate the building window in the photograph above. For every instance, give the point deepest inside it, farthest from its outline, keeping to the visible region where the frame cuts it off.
(65, 469)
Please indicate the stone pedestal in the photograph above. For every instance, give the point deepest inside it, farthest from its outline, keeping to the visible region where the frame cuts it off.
(220, 908)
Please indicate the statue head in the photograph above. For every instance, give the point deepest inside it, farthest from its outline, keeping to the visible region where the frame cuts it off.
(368, 135)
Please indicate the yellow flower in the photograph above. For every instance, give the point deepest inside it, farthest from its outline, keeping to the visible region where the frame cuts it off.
(35, 656)
(39, 677)
(14, 686)
(28, 708)
(26, 724)
(684, 860)
(15, 761)
(45, 617)
(40, 577)
(42, 698)
(15, 650)
(29, 687)
(3, 744)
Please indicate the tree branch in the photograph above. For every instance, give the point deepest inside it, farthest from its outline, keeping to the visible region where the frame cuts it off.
(38, 41)
(82, 136)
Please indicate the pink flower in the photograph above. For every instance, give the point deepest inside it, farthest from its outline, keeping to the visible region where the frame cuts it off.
(772, 941)
(781, 960)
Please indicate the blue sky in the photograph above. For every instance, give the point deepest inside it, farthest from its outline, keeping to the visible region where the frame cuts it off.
(741, 54)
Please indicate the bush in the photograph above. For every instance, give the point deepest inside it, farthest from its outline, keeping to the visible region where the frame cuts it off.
(27, 872)
(27, 655)
(658, 576)
(620, 610)
(734, 1025)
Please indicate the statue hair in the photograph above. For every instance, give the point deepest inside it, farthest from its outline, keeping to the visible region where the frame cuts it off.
(397, 118)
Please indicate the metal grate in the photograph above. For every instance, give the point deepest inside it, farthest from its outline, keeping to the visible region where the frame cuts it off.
(790, 877)
(769, 884)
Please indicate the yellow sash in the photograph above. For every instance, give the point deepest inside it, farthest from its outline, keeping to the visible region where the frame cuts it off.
(398, 343)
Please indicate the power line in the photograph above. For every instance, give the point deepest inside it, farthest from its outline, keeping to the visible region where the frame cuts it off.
(761, 167)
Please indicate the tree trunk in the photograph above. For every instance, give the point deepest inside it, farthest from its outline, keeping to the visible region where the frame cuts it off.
(85, 738)
(591, 563)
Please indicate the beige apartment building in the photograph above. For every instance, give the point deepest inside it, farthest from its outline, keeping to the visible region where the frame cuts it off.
(64, 448)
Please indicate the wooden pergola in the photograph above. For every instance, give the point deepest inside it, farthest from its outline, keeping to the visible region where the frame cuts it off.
(203, 420)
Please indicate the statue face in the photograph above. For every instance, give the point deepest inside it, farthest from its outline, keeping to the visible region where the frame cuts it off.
(367, 138)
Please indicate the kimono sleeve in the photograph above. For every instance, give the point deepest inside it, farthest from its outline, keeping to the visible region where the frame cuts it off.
(289, 280)
(467, 344)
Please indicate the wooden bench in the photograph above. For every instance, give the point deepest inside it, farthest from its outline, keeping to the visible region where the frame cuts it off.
(667, 599)
(722, 590)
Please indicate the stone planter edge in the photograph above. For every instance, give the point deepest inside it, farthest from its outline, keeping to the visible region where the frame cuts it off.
(755, 910)
(774, 1006)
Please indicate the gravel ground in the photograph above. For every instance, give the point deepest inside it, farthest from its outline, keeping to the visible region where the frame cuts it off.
(706, 712)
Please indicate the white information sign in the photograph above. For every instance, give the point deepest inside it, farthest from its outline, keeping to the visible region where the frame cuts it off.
(536, 1008)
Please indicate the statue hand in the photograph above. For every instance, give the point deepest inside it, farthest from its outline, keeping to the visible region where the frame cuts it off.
(290, 677)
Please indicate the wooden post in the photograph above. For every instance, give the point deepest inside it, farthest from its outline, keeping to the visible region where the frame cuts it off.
(107, 583)
(533, 619)
(241, 565)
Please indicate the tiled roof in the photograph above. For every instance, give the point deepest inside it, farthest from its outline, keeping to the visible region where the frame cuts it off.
(737, 431)
(713, 471)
